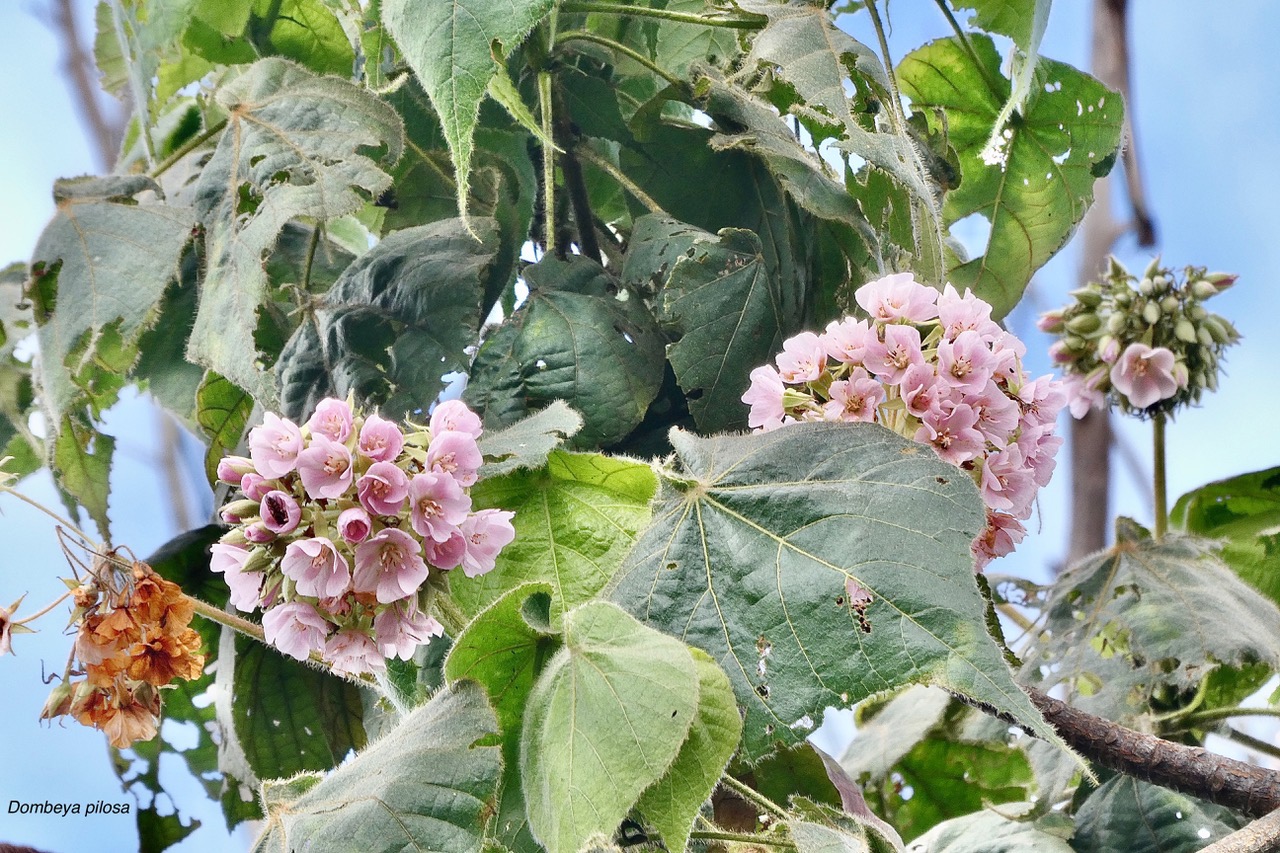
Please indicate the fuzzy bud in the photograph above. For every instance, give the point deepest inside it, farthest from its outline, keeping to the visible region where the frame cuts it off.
(1084, 324)
(1151, 313)
(1169, 304)
(1185, 331)
(232, 468)
(1203, 289)
(1089, 296)
(59, 702)
(1050, 322)
(1221, 280)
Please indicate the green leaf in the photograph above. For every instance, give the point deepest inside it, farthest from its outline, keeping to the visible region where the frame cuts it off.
(427, 786)
(503, 649)
(604, 722)
(579, 338)
(289, 717)
(451, 47)
(1145, 614)
(305, 31)
(1012, 18)
(673, 802)
(292, 147)
(81, 466)
(399, 318)
(1138, 817)
(887, 737)
(989, 832)
(222, 410)
(1066, 135)
(822, 829)
(760, 542)
(718, 303)
(17, 393)
(1244, 513)
(99, 271)
(528, 442)
(575, 521)
(678, 46)
(162, 367)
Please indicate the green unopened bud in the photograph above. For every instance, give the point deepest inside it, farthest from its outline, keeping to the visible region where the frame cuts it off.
(1181, 374)
(1217, 328)
(1122, 297)
(1147, 287)
(1153, 268)
(257, 561)
(1075, 343)
(1090, 296)
(1185, 331)
(792, 398)
(1197, 312)
(1169, 304)
(1151, 313)
(1203, 289)
(1204, 336)
(1221, 280)
(1115, 269)
(59, 702)
(1084, 324)
(242, 508)
(1116, 323)
(1211, 381)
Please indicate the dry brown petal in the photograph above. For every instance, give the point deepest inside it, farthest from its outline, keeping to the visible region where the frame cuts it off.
(162, 657)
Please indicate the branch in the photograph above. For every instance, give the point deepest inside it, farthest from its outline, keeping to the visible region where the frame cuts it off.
(77, 66)
(1258, 837)
(1115, 21)
(1247, 788)
(583, 219)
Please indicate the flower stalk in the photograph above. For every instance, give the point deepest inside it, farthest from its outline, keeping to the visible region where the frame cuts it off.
(1158, 476)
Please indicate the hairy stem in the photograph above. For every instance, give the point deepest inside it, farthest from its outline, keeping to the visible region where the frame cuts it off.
(1161, 498)
(585, 152)
(743, 837)
(587, 6)
(618, 47)
(42, 611)
(229, 620)
(754, 797)
(187, 147)
(1213, 715)
(548, 162)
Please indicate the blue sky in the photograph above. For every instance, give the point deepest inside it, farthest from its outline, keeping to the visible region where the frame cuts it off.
(1207, 113)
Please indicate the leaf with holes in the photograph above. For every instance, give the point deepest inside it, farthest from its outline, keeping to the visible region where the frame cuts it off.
(98, 273)
(399, 318)
(295, 145)
(1145, 614)
(820, 564)
(604, 722)
(579, 338)
(1036, 189)
(575, 520)
(428, 786)
(451, 47)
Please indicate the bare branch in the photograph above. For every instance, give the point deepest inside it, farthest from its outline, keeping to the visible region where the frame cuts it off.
(80, 71)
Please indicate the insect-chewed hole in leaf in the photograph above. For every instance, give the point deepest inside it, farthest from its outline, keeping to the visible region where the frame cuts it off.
(671, 565)
(942, 481)
(763, 691)
(859, 598)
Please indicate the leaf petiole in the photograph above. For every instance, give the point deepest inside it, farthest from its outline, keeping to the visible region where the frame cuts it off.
(607, 8)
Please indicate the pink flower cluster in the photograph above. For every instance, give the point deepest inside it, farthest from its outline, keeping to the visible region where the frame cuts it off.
(340, 522)
(935, 368)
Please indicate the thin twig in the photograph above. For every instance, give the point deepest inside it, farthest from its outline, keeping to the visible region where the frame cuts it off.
(753, 796)
(585, 152)
(618, 47)
(589, 6)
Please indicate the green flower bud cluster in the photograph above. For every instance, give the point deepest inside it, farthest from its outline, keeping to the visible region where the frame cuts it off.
(1145, 344)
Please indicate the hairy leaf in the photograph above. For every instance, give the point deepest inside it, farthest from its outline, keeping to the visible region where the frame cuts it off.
(398, 319)
(822, 829)
(295, 145)
(450, 45)
(576, 518)
(1145, 614)
(1138, 817)
(580, 338)
(82, 466)
(820, 564)
(604, 722)
(427, 786)
(718, 303)
(289, 717)
(1012, 18)
(17, 393)
(1037, 187)
(99, 271)
(989, 832)
(222, 410)
(886, 738)
(1244, 513)
(678, 46)
(528, 442)
(673, 802)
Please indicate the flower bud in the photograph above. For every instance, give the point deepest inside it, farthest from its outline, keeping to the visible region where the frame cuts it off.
(280, 512)
(1122, 297)
(1116, 323)
(1084, 324)
(1205, 336)
(1050, 322)
(239, 510)
(1185, 331)
(1180, 373)
(1151, 313)
(1203, 289)
(1147, 287)
(1089, 296)
(232, 468)
(259, 560)
(59, 702)
(1060, 354)
(792, 397)
(1169, 304)
(1108, 349)
(258, 533)
(254, 486)
(1216, 328)
(1221, 280)
(1153, 269)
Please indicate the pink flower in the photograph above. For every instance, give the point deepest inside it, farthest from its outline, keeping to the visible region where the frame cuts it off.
(274, 446)
(456, 454)
(354, 524)
(965, 313)
(448, 554)
(953, 433)
(231, 469)
(765, 398)
(332, 419)
(296, 629)
(437, 505)
(486, 532)
(280, 512)
(966, 362)
(898, 297)
(401, 629)
(255, 486)
(1000, 537)
(1144, 375)
(1042, 399)
(316, 567)
(245, 586)
(325, 468)
(846, 340)
(1110, 351)
(1083, 394)
(352, 652)
(380, 439)
(383, 488)
(455, 416)
(998, 416)
(258, 533)
(1007, 483)
(922, 392)
(891, 358)
(389, 564)
(802, 359)
(855, 398)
